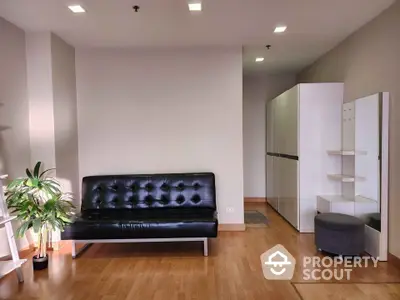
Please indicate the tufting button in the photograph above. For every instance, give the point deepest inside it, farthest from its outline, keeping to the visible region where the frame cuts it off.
(115, 200)
(196, 186)
(149, 200)
(195, 199)
(164, 187)
(133, 188)
(148, 187)
(180, 199)
(164, 200)
(180, 186)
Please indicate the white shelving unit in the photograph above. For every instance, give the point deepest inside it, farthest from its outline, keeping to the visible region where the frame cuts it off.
(363, 156)
(356, 206)
(5, 220)
(345, 178)
(335, 204)
(347, 152)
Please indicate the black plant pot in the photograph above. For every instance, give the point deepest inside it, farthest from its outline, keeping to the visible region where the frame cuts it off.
(40, 263)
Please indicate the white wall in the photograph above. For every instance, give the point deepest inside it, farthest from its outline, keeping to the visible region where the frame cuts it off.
(257, 90)
(40, 95)
(65, 114)
(52, 106)
(14, 110)
(164, 111)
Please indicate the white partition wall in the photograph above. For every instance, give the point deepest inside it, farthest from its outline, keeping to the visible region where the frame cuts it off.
(364, 174)
(383, 244)
(305, 123)
(326, 156)
(367, 138)
(320, 131)
(348, 127)
(371, 131)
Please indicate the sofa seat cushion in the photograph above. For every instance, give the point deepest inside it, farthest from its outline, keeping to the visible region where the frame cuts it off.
(127, 224)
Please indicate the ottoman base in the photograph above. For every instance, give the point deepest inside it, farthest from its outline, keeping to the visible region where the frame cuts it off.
(339, 234)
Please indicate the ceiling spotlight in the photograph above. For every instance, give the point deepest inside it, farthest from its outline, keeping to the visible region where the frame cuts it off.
(76, 9)
(280, 29)
(259, 59)
(194, 6)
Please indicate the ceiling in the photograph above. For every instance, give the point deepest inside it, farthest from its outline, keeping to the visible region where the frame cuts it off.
(314, 26)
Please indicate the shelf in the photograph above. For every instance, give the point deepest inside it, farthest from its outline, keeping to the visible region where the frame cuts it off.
(336, 198)
(345, 178)
(361, 199)
(9, 266)
(346, 152)
(6, 219)
(339, 198)
(3, 176)
(358, 206)
(335, 204)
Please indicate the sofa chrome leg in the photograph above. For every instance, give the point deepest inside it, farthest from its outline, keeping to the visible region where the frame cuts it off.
(20, 275)
(76, 253)
(205, 247)
(73, 249)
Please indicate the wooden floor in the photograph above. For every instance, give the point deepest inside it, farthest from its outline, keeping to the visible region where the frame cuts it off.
(179, 271)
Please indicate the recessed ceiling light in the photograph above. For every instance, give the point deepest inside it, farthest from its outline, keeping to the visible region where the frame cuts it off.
(280, 29)
(259, 59)
(195, 6)
(76, 9)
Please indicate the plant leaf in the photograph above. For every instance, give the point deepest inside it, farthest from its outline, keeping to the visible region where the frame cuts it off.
(37, 168)
(37, 225)
(29, 174)
(23, 229)
(44, 172)
(39, 201)
(35, 182)
(15, 183)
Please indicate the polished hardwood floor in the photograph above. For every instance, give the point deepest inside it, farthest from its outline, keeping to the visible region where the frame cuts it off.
(178, 271)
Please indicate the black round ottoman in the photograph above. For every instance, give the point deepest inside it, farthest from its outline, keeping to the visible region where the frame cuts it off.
(339, 234)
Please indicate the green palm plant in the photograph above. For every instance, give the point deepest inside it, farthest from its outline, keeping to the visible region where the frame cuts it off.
(39, 203)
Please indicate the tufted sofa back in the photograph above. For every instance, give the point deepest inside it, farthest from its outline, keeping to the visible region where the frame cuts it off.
(134, 192)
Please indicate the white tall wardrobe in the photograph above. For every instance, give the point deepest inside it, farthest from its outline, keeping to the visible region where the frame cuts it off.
(302, 125)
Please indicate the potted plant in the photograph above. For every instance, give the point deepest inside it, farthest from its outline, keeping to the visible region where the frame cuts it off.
(39, 203)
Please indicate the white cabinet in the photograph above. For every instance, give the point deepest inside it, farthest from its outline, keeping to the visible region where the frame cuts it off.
(278, 121)
(289, 121)
(304, 123)
(288, 204)
(270, 127)
(272, 199)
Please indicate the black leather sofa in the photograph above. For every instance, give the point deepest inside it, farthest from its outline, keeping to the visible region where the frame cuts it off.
(145, 208)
